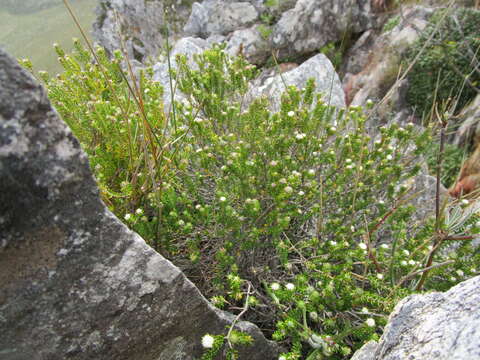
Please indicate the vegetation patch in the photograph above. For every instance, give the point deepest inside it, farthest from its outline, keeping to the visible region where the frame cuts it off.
(446, 69)
(300, 218)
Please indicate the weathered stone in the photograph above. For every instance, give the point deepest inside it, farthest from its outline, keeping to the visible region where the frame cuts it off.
(188, 46)
(251, 44)
(219, 17)
(381, 63)
(318, 68)
(140, 23)
(440, 326)
(312, 24)
(469, 131)
(76, 283)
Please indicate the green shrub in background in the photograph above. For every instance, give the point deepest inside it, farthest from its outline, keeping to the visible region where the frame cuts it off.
(447, 67)
(299, 216)
(453, 160)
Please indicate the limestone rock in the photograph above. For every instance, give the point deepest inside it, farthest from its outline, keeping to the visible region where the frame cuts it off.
(380, 62)
(318, 67)
(440, 326)
(469, 130)
(251, 44)
(219, 17)
(188, 46)
(140, 23)
(312, 24)
(76, 283)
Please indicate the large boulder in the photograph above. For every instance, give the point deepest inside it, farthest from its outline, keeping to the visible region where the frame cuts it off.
(469, 131)
(187, 46)
(440, 326)
(374, 63)
(140, 23)
(312, 24)
(213, 17)
(76, 283)
(318, 68)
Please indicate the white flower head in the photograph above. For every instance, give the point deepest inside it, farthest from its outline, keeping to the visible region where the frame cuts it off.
(127, 216)
(291, 113)
(380, 276)
(411, 262)
(275, 286)
(288, 189)
(370, 322)
(139, 211)
(384, 246)
(290, 286)
(207, 341)
(460, 273)
(311, 172)
(364, 310)
(223, 199)
(362, 246)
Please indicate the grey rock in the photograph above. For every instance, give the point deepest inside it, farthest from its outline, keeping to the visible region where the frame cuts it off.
(141, 24)
(188, 46)
(312, 24)
(440, 326)
(381, 59)
(219, 17)
(366, 351)
(76, 283)
(251, 44)
(469, 130)
(318, 68)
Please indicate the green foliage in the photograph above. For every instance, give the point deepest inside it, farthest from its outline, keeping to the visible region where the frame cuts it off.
(391, 23)
(265, 31)
(445, 69)
(229, 344)
(453, 158)
(302, 204)
(334, 52)
(121, 125)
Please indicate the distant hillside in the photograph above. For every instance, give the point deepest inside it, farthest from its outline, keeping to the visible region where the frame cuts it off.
(28, 28)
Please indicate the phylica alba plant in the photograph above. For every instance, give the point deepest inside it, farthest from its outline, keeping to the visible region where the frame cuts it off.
(305, 205)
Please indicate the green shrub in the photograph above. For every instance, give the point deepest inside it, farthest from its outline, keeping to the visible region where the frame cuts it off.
(302, 206)
(453, 158)
(441, 71)
(391, 23)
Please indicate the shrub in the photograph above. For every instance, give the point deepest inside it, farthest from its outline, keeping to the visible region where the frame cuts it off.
(445, 70)
(453, 160)
(302, 206)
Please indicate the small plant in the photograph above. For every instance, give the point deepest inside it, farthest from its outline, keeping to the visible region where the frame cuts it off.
(265, 31)
(391, 23)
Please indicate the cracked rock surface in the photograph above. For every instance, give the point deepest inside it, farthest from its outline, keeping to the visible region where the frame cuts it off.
(75, 282)
(440, 326)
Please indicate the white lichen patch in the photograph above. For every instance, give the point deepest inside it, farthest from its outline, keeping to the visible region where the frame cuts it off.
(65, 150)
(19, 144)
